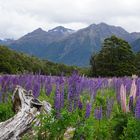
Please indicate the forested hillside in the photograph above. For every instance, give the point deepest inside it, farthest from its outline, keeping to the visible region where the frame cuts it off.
(12, 62)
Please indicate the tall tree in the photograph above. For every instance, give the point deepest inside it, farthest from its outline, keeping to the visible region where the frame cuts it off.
(137, 63)
(115, 59)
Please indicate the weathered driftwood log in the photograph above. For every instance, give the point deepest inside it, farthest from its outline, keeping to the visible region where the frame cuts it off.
(26, 108)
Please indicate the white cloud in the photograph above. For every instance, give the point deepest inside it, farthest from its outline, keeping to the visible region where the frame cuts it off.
(18, 17)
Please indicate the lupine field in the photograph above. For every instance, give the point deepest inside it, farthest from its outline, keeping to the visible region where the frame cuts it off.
(91, 108)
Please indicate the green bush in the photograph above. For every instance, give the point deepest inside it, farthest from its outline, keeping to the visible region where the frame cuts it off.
(132, 130)
(6, 111)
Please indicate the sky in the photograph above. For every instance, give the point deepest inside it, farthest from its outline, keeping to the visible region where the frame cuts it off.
(18, 17)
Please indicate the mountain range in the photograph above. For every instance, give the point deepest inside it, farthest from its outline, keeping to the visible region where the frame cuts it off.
(63, 45)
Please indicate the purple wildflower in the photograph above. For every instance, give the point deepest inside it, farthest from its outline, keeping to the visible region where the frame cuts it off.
(131, 107)
(138, 87)
(28, 85)
(57, 101)
(137, 109)
(62, 88)
(110, 103)
(62, 94)
(80, 105)
(36, 89)
(48, 86)
(74, 89)
(88, 110)
(98, 113)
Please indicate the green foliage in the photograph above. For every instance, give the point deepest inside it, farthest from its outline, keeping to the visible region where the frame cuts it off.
(52, 127)
(12, 62)
(84, 129)
(6, 111)
(115, 59)
(119, 122)
(89, 129)
(131, 131)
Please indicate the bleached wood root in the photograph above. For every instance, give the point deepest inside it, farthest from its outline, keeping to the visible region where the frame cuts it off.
(27, 109)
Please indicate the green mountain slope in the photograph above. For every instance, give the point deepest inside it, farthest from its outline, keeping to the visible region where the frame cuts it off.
(15, 63)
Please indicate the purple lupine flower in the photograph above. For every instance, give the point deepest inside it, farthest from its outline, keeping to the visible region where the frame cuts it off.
(36, 89)
(57, 101)
(48, 86)
(128, 84)
(62, 87)
(131, 106)
(0, 79)
(10, 86)
(70, 106)
(4, 88)
(4, 83)
(94, 86)
(80, 105)
(61, 83)
(28, 85)
(99, 83)
(21, 81)
(74, 89)
(137, 109)
(118, 83)
(93, 90)
(98, 113)
(70, 100)
(88, 110)
(138, 87)
(110, 103)
(78, 90)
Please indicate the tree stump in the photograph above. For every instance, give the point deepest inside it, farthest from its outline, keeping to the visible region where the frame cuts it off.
(26, 108)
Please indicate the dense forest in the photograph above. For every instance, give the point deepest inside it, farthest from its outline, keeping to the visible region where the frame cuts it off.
(12, 62)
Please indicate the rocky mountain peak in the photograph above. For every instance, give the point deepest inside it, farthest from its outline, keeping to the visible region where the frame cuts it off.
(61, 29)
